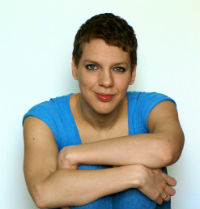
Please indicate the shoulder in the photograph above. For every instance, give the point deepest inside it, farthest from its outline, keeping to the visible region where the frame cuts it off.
(141, 104)
(52, 102)
(50, 112)
(47, 108)
(149, 96)
(147, 99)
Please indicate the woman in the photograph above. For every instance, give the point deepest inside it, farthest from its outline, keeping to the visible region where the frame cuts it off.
(103, 147)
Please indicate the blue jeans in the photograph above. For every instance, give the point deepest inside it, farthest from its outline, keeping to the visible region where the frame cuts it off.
(129, 199)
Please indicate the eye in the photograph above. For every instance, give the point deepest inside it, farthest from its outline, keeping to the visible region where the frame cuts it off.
(91, 67)
(119, 69)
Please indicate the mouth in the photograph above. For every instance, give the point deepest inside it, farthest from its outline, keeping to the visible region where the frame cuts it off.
(104, 97)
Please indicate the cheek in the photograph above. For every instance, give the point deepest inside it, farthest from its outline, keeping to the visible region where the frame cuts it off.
(87, 81)
(123, 83)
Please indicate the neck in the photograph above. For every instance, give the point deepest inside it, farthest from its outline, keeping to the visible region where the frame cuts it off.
(100, 121)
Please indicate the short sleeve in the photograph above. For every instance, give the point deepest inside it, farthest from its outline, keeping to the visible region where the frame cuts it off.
(148, 101)
(140, 104)
(44, 111)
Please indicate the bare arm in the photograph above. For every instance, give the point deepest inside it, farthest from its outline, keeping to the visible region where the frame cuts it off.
(52, 187)
(159, 148)
(152, 182)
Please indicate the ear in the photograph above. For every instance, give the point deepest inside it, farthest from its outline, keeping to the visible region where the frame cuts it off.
(133, 75)
(74, 70)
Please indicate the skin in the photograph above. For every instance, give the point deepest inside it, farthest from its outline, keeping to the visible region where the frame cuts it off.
(103, 128)
(99, 72)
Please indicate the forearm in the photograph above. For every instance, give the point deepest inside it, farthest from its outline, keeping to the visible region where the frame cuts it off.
(151, 150)
(79, 187)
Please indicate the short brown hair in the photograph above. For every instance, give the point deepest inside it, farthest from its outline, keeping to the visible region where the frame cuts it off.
(112, 29)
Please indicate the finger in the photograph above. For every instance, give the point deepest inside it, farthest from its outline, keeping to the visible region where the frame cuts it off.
(164, 195)
(169, 190)
(159, 201)
(167, 198)
(167, 193)
(170, 180)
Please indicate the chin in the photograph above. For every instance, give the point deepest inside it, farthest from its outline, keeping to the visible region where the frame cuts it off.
(104, 109)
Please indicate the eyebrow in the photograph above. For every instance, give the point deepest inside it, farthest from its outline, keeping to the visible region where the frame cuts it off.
(92, 61)
(114, 64)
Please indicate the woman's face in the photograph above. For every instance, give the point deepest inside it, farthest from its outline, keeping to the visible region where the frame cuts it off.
(104, 74)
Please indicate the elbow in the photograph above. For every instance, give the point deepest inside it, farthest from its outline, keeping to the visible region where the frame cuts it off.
(168, 157)
(39, 196)
(43, 198)
(172, 151)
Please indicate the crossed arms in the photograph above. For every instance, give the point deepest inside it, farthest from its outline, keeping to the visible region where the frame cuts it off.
(54, 181)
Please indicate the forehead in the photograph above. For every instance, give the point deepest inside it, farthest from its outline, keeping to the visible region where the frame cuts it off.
(99, 50)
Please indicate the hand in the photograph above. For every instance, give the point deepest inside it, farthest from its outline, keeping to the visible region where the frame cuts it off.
(156, 184)
(65, 160)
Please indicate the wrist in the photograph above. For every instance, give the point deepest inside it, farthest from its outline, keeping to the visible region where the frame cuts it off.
(136, 174)
(67, 159)
(71, 155)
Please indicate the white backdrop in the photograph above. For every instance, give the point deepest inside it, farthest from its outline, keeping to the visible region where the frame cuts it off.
(35, 51)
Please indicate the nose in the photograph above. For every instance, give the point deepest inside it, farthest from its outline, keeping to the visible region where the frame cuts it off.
(105, 78)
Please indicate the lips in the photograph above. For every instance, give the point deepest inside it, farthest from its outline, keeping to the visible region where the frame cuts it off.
(105, 97)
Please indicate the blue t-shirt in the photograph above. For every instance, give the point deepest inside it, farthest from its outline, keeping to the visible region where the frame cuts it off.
(56, 113)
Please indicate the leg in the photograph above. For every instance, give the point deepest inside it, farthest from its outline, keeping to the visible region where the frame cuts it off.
(102, 203)
(134, 199)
